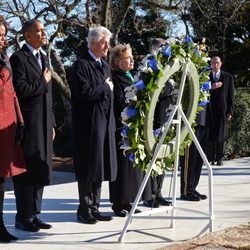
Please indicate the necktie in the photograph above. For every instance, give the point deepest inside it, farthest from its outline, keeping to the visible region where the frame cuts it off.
(99, 62)
(215, 77)
(38, 58)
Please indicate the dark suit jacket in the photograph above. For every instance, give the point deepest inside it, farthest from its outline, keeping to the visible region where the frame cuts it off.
(35, 99)
(221, 104)
(93, 122)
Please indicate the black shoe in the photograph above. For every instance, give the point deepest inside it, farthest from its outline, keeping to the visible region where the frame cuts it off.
(86, 218)
(163, 202)
(211, 162)
(190, 197)
(97, 215)
(40, 224)
(5, 236)
(120, 213)
(202, 196)
(128, 208)
(219, 163)
(151, 203)
(27, 226)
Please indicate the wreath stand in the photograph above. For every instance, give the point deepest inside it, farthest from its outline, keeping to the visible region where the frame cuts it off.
(177, 122)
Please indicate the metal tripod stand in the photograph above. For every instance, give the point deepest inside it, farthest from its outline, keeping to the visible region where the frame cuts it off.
(177, 110)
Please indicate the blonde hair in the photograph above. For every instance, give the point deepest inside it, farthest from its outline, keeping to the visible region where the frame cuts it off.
(116, 55)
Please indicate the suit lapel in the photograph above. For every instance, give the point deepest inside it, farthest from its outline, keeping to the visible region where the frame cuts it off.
(31, 59)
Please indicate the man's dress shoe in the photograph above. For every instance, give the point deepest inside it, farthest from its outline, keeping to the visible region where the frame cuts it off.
(40, 224)
(219, 163)
(190, 197)
(151, 203)
(128, 208)
(120, 212)
(202, 196)
(98, 216)
(27, 225)
(86, 218)
(163, 202)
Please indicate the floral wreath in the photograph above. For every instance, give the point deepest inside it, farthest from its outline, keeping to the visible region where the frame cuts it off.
(138, 98)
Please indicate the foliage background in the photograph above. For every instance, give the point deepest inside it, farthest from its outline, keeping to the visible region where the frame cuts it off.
(224, 23)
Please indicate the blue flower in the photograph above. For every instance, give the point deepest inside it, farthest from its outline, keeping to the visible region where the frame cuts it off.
(208, 68)
(140, 85)
(153, 65)
(124, 131)
(203, 103)
(131, 157)
(131, 111)
(205, 69)
(206, 86)
(188, 40)
(157, 132)
(167, 51)
(197, 52)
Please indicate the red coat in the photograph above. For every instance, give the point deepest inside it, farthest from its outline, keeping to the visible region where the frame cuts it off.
(11, 157)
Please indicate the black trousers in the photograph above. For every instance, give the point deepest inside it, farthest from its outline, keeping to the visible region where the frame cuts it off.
(215, 150)
(28, 198)
(191, 163)
(156, 186)
(89, 196)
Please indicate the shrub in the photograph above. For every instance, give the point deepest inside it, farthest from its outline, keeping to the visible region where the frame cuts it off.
(238, 144)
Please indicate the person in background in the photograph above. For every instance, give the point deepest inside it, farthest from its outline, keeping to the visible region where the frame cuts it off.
(32, 82)
(123, 191)
(191, 163)
(220, 110)
(165, 99)
(11, 157)
(93, 125)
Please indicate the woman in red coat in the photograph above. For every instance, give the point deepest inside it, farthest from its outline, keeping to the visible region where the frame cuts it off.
(11, 158)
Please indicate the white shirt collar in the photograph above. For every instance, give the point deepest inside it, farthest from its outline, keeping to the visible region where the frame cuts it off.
(94, 57)
(33, 51)
(217, 73)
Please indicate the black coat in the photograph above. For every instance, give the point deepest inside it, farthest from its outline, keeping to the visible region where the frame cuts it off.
(129, 179)
(35, 99)
(165, 99)
(221, 104)
(93, 122)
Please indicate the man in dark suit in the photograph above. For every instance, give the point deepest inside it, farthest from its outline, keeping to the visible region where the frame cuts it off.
(93, 125)
(220, 110)
(32, 82)
(165, 99)
(191, 163)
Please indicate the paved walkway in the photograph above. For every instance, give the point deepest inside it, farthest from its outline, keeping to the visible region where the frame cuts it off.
(231, 208)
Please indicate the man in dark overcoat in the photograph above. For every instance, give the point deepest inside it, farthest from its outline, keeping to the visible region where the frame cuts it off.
(165, 99)
(220, 110)
(191, 163)
(93, 125)
(32, 82)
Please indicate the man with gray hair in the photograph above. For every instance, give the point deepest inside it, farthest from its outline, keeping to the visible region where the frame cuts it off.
(93, 125)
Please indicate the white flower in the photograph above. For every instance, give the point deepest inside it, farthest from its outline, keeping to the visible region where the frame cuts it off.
(171, 81)
(131, 96)
(129, 88)
(137, 77)
(124, 114)
(206, 59)
(171, 41)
